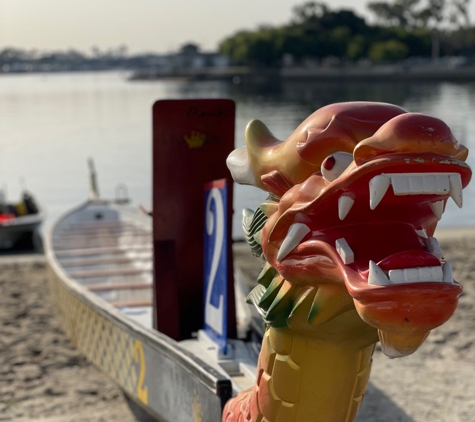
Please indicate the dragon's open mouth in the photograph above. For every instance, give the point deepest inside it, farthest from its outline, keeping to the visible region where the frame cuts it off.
(360, 188)
(373, 228)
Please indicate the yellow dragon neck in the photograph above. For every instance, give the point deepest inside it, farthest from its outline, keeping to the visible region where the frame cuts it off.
(302, 379)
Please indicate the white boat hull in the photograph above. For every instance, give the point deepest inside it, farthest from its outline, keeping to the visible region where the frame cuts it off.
(100, 259)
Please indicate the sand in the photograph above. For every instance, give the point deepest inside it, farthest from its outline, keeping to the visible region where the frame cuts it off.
(43, 378)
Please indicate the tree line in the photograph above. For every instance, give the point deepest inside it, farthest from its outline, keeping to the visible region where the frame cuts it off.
(403, 29)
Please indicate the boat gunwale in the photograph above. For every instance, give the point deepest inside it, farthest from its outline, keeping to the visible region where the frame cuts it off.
(25, 220)
(159, 342)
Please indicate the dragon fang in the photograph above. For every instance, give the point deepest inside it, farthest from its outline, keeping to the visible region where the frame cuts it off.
(355, 196)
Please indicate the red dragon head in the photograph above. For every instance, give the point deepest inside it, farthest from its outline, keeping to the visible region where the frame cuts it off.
(356, 194)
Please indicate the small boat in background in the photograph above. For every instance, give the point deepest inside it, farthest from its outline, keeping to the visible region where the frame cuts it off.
(19, 221)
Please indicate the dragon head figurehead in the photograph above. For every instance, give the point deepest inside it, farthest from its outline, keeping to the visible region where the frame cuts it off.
(355, 196)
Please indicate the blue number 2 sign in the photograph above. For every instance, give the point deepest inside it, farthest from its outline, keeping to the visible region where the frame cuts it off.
(215, 262)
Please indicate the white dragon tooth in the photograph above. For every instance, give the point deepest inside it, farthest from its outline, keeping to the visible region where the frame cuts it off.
(422, 233)
(344, 206)
(416, 275)
(437, 208)
(401, 183)
(448, 276)
(344, 250)
(456, 189)
(398, 276)
(433, 247)
(377, 276)
(378, 186)
(433, 273)
(294, 236)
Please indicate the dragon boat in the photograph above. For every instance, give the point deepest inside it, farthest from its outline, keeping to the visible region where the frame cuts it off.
(349, 256)
(101, 258)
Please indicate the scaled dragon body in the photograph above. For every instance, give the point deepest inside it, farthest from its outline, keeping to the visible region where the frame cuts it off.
(355, 196)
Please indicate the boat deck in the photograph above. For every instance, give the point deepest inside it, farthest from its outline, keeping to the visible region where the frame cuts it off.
(113, 259)
(107, 248)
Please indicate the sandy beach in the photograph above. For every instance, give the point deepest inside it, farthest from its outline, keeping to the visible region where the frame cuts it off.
(43, 378)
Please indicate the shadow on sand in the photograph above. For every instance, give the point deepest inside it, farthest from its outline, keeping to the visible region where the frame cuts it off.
(377, 407)
(27, 245)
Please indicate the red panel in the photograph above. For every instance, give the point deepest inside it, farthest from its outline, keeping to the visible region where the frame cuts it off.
(191, 141)
(215, 184)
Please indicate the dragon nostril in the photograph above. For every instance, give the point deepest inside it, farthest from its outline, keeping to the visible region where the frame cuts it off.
(329, 162)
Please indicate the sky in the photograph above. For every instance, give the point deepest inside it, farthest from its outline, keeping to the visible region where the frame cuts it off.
(143, 25)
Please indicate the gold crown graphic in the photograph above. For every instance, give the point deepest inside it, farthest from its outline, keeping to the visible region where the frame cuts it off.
(196, 139)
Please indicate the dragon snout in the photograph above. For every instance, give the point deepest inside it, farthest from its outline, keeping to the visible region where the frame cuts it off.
(410, 133)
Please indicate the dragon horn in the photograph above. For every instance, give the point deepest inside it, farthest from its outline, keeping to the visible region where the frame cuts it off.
(279, 162)
(259, 136)
(247, 165)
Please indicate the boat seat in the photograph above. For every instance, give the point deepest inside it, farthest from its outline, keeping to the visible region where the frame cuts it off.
(107, 235)
(93, 230)
(103, 261)
(109, 272)
(132, 303)
(99, 223)
(118, 286)
(105, 250)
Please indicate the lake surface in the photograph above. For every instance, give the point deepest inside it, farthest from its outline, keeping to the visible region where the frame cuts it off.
(51, 123)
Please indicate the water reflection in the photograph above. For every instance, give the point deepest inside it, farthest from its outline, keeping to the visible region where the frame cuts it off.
(50, 124)
(283, 107)
(318, 94)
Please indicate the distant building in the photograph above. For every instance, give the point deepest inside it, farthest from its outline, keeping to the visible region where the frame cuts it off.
(190, 57)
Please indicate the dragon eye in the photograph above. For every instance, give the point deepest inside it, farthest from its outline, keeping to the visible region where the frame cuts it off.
(335, 164)
(329, 162)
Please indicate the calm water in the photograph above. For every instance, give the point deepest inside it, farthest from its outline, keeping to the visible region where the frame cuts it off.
(51, 124)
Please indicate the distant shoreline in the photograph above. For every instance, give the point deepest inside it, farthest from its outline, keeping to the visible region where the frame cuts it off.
(249, 76)
(382, 73)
